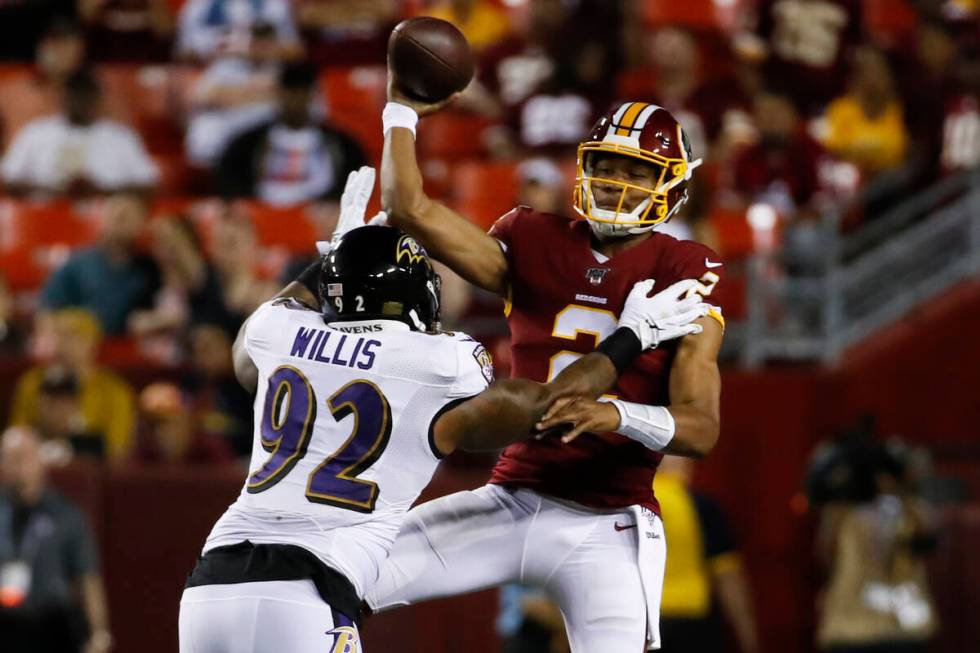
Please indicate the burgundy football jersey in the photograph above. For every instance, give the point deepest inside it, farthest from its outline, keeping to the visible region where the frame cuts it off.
(564, 299)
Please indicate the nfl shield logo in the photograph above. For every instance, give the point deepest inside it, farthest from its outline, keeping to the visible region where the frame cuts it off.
(596, 275)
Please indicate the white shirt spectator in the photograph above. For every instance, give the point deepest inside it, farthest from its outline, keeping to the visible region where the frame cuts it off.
(51, 153)
(211, 129)
(212, 27)
(295, 167)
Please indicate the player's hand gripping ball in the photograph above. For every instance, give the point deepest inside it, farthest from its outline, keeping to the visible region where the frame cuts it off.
(428, 60)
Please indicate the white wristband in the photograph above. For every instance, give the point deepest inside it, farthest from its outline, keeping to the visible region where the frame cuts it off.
(651, 426)
(398, 115)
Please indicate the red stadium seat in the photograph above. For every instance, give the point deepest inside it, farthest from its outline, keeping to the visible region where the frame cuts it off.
(355, 98)
(483, 191)
(290, 228)
(151, 97)
(34, 224)
(693, 13)
(452, 135)
(889, 20)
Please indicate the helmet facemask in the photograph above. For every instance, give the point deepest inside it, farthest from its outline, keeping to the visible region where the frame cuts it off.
(662, 198)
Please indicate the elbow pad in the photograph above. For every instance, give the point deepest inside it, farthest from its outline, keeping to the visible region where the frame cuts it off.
(651, 426)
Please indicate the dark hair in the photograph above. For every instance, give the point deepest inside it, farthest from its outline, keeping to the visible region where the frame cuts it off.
(82, 82)
(297, 76)
(62, 26)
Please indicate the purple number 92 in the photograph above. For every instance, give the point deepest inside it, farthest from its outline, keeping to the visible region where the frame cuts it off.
(287, 425)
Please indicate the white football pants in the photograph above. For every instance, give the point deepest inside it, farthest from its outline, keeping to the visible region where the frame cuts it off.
(263, 617)
(588, 561)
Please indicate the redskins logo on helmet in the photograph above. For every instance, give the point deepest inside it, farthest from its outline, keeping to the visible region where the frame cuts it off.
(641, 131)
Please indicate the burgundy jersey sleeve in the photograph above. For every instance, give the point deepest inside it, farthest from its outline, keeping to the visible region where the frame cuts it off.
(693, 260)
(504, 230)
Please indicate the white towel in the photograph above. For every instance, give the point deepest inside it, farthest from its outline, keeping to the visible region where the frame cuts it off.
(651, 554)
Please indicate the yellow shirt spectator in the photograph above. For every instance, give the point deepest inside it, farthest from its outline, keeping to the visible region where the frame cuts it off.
(872, 144)
(481, 22)
(72, 395)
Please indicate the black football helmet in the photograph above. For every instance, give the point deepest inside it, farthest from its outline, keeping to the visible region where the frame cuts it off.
(376, 272)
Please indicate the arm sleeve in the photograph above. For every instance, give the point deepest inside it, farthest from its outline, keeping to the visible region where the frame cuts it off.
(701, 263)
(504, 229)
(80, 549)
(235, 173)
(15, 167)
(719, 543)
(267, 325)
(119, 430)
(474, 369)
(61, 290)
(140, 168)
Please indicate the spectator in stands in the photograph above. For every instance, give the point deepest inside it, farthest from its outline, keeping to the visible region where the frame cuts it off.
(221, 407)
(98, 413)
(234, 94)
(874, 536)
(236, 255)
(940, 97)
(530, 622)
(52, 599)
(22, 24)
(716, 114)
(704, 569)
(866, 126)
(111, 278)
(291, 159)
(347, 32)
(212, 28)
(482, 22)
(781, 168)
(516, 66)
(541, 186)
(190, 292)
(60, 52)
(60, 417)
(806, 45)
(168, 431)
(129, 30)
(77, 152)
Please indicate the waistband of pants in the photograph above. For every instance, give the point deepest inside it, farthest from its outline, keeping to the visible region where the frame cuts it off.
(246, 562)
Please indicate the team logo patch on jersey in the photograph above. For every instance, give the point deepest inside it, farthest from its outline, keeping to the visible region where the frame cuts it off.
(485, 361)
(408, 248)
(596, 275)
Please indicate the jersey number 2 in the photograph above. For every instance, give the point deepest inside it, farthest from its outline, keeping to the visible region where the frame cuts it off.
(287, 425)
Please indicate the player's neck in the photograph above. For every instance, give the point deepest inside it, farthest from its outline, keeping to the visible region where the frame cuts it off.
(613, 246)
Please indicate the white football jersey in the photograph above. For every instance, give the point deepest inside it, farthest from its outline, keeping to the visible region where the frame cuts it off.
(342, 444)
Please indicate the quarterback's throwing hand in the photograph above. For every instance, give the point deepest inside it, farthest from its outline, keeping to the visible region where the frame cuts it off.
(667, 315)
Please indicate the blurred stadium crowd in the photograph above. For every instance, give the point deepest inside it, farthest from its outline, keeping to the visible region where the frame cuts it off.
(167, 164)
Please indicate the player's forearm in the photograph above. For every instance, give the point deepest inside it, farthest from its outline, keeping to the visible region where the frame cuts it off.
(447, 236)
(695, 431)
(732, 588)
(505, 413)
(590, 376)
(94, 603)
(402, 195)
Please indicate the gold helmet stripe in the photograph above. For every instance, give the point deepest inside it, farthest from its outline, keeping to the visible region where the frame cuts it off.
(625, 126)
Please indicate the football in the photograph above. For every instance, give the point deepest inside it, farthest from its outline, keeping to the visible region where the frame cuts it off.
(429, 58)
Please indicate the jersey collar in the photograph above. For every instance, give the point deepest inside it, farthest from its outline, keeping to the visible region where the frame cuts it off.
(366, 326)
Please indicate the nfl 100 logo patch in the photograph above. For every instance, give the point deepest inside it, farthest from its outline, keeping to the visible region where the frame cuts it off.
(596, 275)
